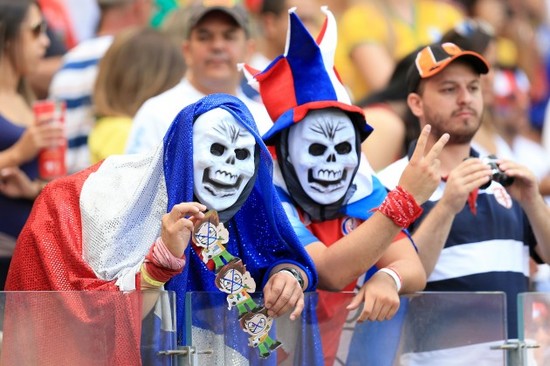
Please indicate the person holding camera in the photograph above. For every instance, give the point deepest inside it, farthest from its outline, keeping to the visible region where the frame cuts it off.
(474, 237)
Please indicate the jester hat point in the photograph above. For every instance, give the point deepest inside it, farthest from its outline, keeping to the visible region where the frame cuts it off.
(304, 79)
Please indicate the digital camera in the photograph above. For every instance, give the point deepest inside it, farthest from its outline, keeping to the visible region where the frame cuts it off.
(497, 174)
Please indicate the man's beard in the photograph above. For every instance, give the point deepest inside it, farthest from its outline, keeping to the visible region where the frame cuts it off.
(464, 137)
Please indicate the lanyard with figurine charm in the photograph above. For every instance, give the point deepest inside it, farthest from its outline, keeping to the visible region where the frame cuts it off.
(210, 236)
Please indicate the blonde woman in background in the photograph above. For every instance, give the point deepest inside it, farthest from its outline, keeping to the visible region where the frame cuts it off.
(141, 63)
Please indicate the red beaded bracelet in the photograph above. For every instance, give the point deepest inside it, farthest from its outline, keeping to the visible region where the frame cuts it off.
(401, 207)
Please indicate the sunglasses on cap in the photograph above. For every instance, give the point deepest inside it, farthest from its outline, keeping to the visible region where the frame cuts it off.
(39, 29)
(470, 27)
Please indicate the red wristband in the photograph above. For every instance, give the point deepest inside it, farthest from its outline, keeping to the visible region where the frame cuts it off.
(401, 207)
(161, 264)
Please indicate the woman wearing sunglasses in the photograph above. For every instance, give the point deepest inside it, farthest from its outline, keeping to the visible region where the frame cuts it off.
(23, 42)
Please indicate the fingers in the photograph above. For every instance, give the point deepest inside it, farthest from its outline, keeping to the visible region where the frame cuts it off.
(421, 144)
(49, 134)
(282, 293)
(470, 174)
(438, 147)
(298, 308)
(379, 298)
(186, 210)
(178, 224)
(357, 300)
(378, 310)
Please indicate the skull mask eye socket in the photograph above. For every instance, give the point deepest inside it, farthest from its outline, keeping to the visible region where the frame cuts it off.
(242, 154)
(343, 148)
(217, 149)
(317, 149)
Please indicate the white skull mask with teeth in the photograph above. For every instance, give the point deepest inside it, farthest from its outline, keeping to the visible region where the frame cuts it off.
(322, 149)
(223, 159)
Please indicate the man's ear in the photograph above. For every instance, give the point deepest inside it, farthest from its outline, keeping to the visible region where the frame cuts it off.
(414, 101)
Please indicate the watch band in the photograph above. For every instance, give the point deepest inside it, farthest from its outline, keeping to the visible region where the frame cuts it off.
(295, 273)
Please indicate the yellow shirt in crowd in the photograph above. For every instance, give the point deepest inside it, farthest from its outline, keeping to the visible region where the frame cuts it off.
(374, 22)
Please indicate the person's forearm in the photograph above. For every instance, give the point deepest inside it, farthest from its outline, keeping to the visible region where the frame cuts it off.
(412, 275)
(9, 157)
(351, 256)
(431, 235)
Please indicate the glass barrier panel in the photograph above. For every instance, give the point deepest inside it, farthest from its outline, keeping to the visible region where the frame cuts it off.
(430, 328)
(534, 326)
(86, 328)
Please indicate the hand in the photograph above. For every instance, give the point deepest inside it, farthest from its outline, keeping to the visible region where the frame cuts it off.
(421, 176)
(178, 225)
(525, 188)
(36, 137)
(15, 183)
(379, 297)
(282, 293)
(467, 176)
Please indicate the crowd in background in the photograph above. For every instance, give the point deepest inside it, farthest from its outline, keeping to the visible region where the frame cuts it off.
(125, 68)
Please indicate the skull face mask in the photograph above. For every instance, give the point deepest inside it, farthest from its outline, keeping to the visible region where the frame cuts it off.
(223, 159)
(322, 148)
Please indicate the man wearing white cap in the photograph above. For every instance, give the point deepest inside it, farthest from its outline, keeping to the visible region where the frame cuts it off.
(217, 39)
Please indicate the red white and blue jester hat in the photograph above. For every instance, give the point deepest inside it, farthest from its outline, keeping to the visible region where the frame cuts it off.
(304, 79)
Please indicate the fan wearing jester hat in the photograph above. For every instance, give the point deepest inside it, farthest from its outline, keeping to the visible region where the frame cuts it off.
(126, 224)
(347, 221)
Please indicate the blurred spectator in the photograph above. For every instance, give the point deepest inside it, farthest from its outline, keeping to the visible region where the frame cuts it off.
(217, 39)
(23, 42)
(59, 20)
(61, 34)
(271, 23)
(41, 77)
(85, 15)
(375, 34)
(74, 82)
(140, 64)
(511, 119)
(394, 124)
(517, 25)
(175, 26)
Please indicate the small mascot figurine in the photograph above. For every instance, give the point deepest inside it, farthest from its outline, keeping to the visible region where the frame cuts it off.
(211, 236)
(258, 324)
(234, 279)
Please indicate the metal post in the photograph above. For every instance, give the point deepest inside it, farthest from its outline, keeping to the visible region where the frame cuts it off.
(516, 351)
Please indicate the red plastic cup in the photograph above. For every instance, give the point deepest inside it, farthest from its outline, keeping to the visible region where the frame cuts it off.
(51, 160)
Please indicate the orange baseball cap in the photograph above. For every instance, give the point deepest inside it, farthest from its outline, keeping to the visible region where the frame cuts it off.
(434, 58)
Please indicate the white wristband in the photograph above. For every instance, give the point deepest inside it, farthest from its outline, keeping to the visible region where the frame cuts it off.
(393, 274)
(295, 274)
